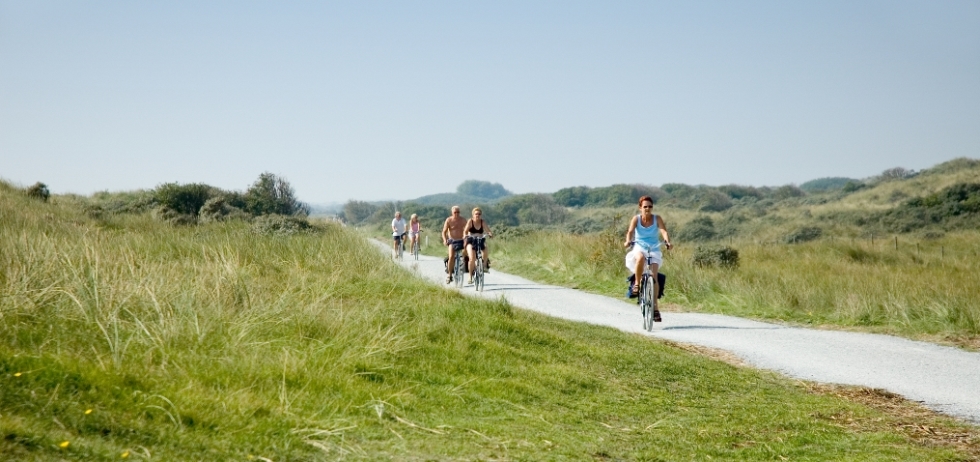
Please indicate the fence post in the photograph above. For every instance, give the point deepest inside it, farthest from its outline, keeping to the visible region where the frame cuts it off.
(896, 242)
(872, 240)
(942, 252)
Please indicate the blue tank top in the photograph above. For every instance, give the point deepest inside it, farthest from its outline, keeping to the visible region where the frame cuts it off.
(648, 238)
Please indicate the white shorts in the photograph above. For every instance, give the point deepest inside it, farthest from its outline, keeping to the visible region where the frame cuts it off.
(638, 254)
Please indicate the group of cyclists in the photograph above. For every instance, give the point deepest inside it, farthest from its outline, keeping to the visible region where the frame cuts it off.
(645, 234)
(457, 234)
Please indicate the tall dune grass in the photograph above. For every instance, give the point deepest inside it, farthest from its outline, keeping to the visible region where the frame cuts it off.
(122, 337)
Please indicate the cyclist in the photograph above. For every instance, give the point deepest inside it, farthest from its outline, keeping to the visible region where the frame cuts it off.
(397, 230)
(476, 226)
(644, 232)
(452, 236)
(414, 228)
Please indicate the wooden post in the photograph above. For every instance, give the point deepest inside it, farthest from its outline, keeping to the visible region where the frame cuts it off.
(896, 242)
(916, 249)
(872, 239)
(942, 252)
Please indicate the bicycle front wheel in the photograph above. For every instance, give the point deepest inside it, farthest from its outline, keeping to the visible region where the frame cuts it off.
(646, 301)
(478, 274)
(459, 273)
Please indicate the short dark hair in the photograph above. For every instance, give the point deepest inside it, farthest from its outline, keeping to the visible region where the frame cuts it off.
(645, 198)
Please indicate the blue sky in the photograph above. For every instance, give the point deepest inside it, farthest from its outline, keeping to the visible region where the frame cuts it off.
(379, 100)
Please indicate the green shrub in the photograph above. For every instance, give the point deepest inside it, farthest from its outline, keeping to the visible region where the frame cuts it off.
(804, 234)
(701, 228)
(272, 195)
(708, 256)
(852, 186)
(39, 191)
(186, 199)
(218, 209)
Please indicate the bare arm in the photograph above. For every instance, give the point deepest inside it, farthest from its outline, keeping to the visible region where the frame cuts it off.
(445, 231)
(629, 232)
(663, 231)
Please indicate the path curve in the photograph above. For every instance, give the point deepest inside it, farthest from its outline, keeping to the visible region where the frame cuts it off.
(943, 378)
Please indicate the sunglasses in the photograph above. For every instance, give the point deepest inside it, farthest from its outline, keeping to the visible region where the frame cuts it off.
(647, 207)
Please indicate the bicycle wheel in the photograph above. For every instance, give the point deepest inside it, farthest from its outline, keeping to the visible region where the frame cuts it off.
(646, 299)
(478, 273)
(415, 248)
(459, 272)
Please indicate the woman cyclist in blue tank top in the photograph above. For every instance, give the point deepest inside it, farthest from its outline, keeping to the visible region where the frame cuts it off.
(644, 232)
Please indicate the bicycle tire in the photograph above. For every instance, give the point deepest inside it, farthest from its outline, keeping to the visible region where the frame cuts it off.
(646, 299)
(459, 271)
(478, 273)
(415, 248)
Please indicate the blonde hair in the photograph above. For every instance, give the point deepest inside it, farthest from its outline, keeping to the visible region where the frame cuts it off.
(415, 217)
(477, 209)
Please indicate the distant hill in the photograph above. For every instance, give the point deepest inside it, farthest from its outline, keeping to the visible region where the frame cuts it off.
(468, 192)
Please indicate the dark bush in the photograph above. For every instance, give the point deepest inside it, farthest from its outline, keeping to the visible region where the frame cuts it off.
(852, 186)
(804, 234)
(272, 195)
(897, 173)
(218, 209)
(39, 191)
(575, 196)
(701, 228)
(186, 199)
(740, 192)
(957, 206)
(714, 201)
(787, 192)
(724, 257)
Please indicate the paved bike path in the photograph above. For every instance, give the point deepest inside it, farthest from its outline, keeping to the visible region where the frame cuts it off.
(943, 378)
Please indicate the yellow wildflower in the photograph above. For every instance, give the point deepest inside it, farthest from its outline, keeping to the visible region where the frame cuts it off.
(125, 454)
(88, 411)
(17, 374)
(64, 444)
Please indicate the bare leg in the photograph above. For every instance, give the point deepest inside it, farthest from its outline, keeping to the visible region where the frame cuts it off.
(472, 263)
(638, 270)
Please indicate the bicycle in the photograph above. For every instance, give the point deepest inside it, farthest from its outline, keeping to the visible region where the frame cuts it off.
(458, 268)
(477, 241)
(648, 298)
(415, 245)
(400, 250)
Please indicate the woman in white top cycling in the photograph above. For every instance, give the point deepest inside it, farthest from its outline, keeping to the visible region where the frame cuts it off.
(644, 234)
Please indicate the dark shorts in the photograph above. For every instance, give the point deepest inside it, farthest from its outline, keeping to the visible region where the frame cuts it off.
(456, 243)
(480, 243)
(398, 239)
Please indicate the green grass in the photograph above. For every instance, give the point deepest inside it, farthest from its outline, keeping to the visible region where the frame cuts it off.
(925, 292)
(124, 337)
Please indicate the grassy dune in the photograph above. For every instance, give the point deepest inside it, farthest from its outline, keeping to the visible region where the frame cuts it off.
(125, 338)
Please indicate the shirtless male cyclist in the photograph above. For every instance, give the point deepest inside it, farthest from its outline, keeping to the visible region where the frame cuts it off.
(452, 236)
